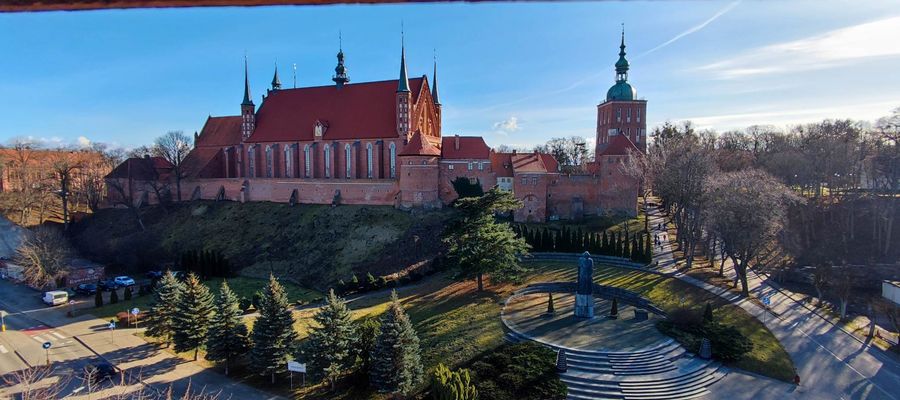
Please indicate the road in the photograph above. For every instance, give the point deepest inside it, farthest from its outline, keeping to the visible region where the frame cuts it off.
(77, 342)
(831, 363)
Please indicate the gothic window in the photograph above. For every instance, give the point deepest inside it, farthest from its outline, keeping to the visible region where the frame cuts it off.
(251, 163)
(618, 115)
(347, 159)
(307, 166)
(269, 162)
(370, 161)
(470, 166)
(287, 162)
(534, 180)
(638, 115)
(327, 161)
(393, 160)
(628, 118)
(481, 166)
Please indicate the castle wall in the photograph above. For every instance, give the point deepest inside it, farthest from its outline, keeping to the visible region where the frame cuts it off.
(485, 177)
(418, 182)
(309, 191)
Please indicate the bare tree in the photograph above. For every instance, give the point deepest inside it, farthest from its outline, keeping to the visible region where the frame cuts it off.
(174, 146)
(42, 255)
(821, 278)
(124, 196)
(640, 167)
(746, 209)
(36, 383)
(64, 165)
(843, 289)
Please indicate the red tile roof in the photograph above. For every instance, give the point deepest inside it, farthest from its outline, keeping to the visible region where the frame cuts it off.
(470, 147)
(142, 169)
(550, 162)
(355, 111)
(220, 132)
(418, 146)
(528, 162)
(620, 145)
(198, 161)
(501, 164)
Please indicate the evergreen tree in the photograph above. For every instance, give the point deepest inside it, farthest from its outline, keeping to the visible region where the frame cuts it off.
(635, 254)
(546, 240)
(371, 282)
(228, 338)
(193, 313)
(396, 363)
(604, 244)
(579, 240)
(127, 293)
(330, 343)
(614, 310)
(98, 298)
(354, 282)
(366, 331)
(452, 385)
(648, 250)
(273, 332)
(159, 321)
(550, 308)
(113, 296)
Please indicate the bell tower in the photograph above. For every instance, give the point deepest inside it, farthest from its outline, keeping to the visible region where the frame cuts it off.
(248, 109)
(403, 97)
(622, 113)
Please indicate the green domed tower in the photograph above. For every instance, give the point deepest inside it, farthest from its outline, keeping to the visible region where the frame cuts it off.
(621, 113)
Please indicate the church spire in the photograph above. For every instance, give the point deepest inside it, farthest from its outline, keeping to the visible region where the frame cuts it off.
(403, 86)
(434, 86)
(622, 64)
(247, 99)
(340, 72)
(276, 83)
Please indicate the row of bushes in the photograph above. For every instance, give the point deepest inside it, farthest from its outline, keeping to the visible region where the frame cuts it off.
(638, 247)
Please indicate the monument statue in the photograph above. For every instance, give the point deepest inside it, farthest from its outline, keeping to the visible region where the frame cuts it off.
(584, 288)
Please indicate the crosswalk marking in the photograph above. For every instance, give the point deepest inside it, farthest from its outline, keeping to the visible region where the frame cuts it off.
(3, 349)
(57, 335)
(38, 339)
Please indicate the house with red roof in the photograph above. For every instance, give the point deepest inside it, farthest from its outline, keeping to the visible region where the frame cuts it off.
(380, 143)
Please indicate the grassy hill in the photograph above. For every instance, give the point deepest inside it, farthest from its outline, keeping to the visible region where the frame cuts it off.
(313, 245)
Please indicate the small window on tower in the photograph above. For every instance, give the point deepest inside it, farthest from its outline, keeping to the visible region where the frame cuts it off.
(628, 119)
(450, 167)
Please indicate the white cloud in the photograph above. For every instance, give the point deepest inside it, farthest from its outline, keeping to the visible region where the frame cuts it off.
(508, 125)
(784, 117)
(838, 47)
(692, 29)
(83, 142)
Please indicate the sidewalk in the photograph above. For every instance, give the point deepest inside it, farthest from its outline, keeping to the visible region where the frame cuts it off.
(830, 362)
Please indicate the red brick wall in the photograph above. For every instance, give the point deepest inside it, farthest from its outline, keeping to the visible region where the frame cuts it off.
(419, 181)
(486, 177)
(606, 120)
(310, 191)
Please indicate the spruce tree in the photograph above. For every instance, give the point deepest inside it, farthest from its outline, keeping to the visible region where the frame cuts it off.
(708, 313)
(330, 343)
(396, 366)
(546, 240)
(366, 331)
(648, 250)
(635, 254)
(113, 296)
(159, 321)
(604, 244)
(228, 338)
(273, 332)
(127, 293)
(98, 298)
(626, 248)
(193, 313)
(452, 385)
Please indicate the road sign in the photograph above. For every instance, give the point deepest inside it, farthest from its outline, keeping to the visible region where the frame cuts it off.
(47, 345)
(135, 311)
(766, 300)
(294, 366)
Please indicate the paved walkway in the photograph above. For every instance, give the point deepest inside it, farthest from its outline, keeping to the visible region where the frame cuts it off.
(831, 363)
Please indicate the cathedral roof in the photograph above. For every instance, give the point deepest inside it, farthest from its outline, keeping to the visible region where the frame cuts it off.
(142, 169)
(220, 132)
(355, 111)
(470, 147)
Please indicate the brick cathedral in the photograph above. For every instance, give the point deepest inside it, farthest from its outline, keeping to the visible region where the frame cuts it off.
(381, 143)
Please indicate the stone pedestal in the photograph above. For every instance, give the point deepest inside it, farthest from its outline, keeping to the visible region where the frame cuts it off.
(584, 306)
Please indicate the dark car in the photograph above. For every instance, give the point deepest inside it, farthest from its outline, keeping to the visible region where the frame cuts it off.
(107, 285)
(100, 371)
(86, 288)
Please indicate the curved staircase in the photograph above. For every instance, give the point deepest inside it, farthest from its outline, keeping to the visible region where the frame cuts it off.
(665, 371)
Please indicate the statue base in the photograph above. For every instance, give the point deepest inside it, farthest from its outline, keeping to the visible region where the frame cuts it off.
(584, 306)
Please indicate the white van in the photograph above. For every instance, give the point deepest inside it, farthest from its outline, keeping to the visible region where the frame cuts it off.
(56, 297)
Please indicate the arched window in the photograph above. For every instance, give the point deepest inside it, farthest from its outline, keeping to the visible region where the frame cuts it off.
(393, 160)
(347, 160)
(269, 173)
(306, 167)
(251, 163)
(369, 160)
(327, 161)
(288, 170)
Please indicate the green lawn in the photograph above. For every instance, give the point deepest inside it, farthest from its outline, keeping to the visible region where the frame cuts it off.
(242, 286)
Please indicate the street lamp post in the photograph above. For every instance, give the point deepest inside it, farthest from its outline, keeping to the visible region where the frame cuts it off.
(2, 321)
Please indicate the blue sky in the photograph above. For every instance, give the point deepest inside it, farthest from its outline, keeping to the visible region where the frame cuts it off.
(515, 73)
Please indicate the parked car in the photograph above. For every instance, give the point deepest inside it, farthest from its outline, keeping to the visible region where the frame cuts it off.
(123, 281)
(86, 288)
(55, 297)
(100, 371)
(107, 285)
(155, 275)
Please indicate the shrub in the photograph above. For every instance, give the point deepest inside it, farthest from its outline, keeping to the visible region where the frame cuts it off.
(98, 298)
(371, 282)
(452, 385)
(522, 371)
(708, 313)
(728, 344)
(127, 293)
(113, 296)
(685, 319)
(383, 281)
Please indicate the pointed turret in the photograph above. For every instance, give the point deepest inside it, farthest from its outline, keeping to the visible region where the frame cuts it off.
(276, 83)
(340, 71)
(434, 86)
(403, 86)
(247, 99)
(622, 64)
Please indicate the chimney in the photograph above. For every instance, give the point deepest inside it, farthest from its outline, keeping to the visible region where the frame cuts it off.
(456, 142)
(514, 152)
